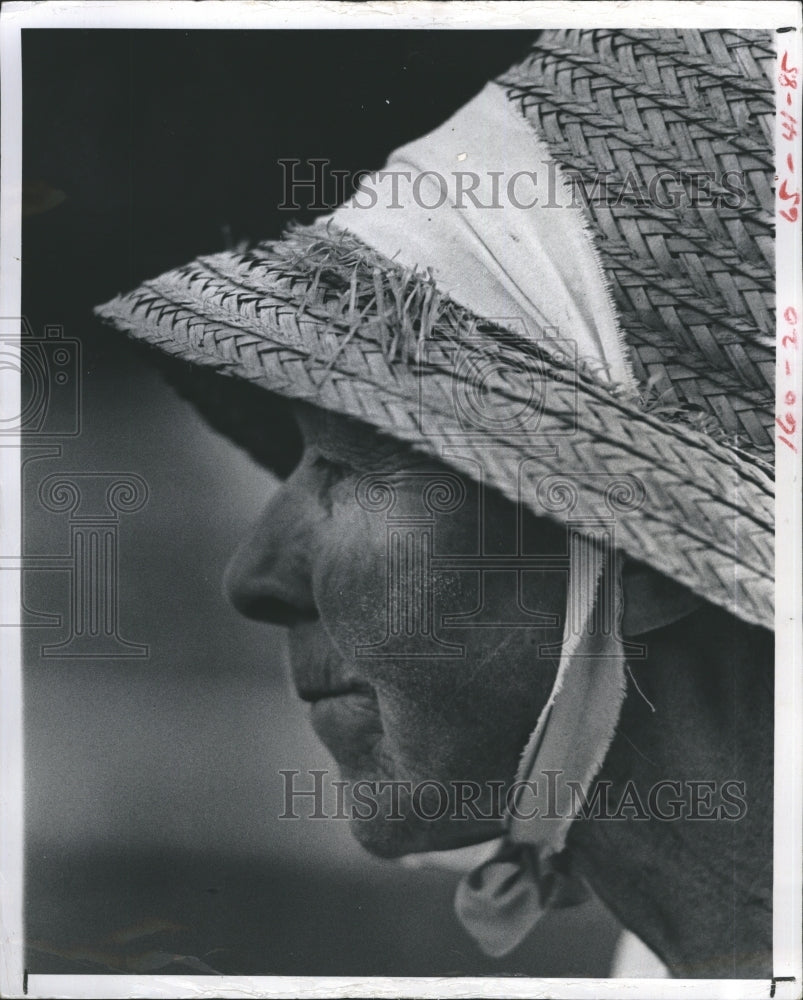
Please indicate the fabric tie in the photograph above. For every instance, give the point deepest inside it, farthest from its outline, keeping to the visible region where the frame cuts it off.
(501, 901)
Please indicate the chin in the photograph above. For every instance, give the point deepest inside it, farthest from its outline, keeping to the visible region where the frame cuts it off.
(393, 838)
(386, 838)
(351, 728)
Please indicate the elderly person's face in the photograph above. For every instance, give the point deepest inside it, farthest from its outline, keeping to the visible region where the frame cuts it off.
(317, 563)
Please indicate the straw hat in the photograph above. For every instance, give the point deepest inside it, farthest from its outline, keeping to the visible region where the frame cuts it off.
(324, 317)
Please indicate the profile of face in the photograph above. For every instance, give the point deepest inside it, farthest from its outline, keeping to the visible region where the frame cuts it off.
(337, 557)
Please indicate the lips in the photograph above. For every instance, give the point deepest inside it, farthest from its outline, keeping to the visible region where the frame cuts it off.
(313, 694)
(350, 727)
(318, 670)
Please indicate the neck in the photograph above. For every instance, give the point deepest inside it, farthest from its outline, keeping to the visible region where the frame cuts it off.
(698, 891)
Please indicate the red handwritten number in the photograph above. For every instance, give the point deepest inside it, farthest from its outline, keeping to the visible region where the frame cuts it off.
(788, 76)
(794, 197)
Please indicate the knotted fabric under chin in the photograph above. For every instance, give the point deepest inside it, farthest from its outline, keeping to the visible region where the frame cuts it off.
(500, 901)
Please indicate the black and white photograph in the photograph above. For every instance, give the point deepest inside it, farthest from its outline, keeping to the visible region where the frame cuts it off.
(400, 513)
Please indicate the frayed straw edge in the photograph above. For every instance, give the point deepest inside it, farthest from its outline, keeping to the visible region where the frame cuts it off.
(402, 308)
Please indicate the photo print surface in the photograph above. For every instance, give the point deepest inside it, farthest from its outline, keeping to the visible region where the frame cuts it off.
(402, 422)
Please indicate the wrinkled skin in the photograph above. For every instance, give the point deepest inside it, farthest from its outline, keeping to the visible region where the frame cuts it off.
(316, 562)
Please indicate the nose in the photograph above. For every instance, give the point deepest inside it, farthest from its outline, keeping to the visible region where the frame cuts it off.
(268, 578)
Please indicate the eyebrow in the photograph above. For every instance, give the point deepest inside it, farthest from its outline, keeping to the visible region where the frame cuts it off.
(363, 448)
(363, 454)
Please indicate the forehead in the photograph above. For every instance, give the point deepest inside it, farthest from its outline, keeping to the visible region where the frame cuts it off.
(344, 439)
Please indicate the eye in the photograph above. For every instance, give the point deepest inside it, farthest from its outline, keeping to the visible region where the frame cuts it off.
(323, 461)
(331, 469)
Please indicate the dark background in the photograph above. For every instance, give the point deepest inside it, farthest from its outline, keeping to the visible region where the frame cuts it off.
(152, 791)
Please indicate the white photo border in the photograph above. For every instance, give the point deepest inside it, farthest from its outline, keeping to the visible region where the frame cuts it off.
(418, 14)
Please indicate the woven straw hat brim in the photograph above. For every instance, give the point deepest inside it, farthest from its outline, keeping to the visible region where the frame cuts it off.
(693, 280)
(704, 518)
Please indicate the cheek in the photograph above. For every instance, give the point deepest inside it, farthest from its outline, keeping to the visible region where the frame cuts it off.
(349, 576)
(464, 717)
(372, 588)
